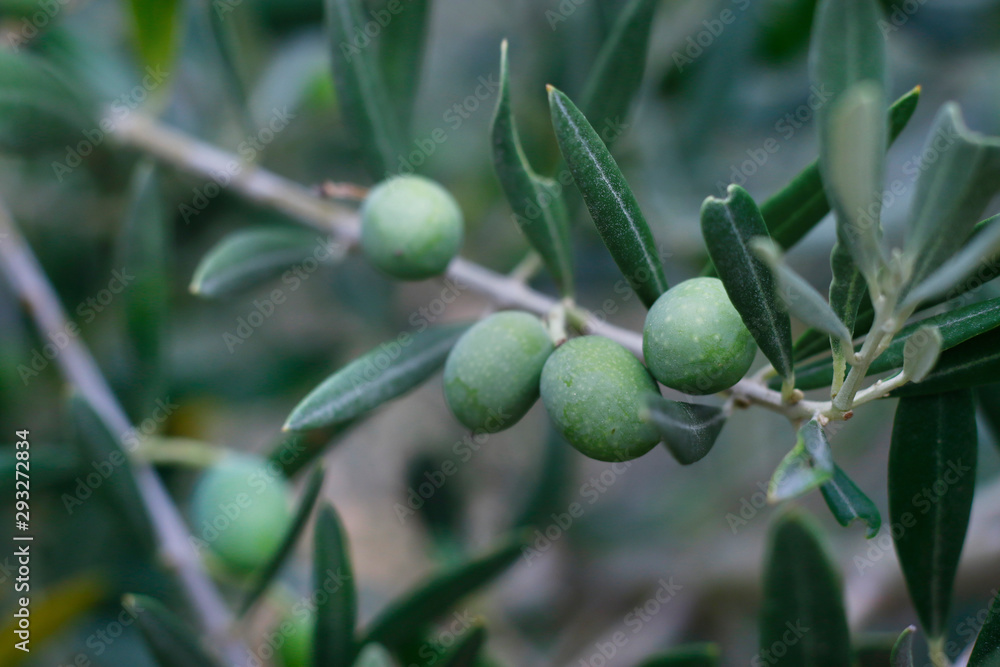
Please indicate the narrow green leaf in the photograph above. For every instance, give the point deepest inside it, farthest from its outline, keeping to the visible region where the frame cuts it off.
(248, 257)
(404, 619)
(388, 371)
(401, 52)
(978, 256)
(800, 298)
(848, 503)
(617, 73)
(921, 352)
(609, 199)
(873, 649)
(156, 24)
(297, 450)
(807, 466)
(729, 226)
(692, 655)
(273, 566)
(100, 446)
(802, 204)
(361, 92)
(803, 598)
(902, 650)
(170, 640)
(336, 614)
(847, 47)
(988, 400)
(932, 472)
(688, 430)
(466, 652)
(986, 652)
(974, 363)
(952, 191)
(538, 206)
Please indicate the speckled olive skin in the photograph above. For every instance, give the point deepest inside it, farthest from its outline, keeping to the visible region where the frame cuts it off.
(594, 390)
(491, 376)
(694, 340)
(411, 227)
(241, 510)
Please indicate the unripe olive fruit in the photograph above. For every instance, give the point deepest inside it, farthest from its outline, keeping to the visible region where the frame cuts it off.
(411, 227)
(241, 509)
(491, 376)
(298, 632)
(694, 341)
(594, 390)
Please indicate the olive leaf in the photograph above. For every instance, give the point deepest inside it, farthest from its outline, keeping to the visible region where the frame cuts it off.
(618, 71)
(873, 649)
(979, 256)
(404, 619)
(612, 205)
(336, 613)
(248, 257)
(169, 639)
(807, 466)
(974, 363)
(298, 449)
(932, 471)
(401, 53)
(952, 191)
(688, 430)
(298, 524)
(466, 651)
(803, 606)
(902, 650)
(692, 655)
(847, 291)
(361, 92)
(156, 24)
(921, 352)
(729, 227)
(848, 503)
(986, 652)
(537, 202)
(800, 298)
(384, 373)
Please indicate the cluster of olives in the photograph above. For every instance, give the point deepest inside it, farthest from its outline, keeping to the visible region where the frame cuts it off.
(592, 387)
(694, 340)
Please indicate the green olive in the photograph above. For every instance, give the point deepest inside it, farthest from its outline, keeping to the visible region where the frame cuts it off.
(411, 227)
(594, 390)
(297, 630)
(694, 341)
(491, 376)
(241, 510)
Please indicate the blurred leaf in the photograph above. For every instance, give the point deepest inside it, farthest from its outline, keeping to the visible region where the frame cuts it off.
(297, 450)
(538, 205)
(802, 598)
(155, 23)
(921, 352)
(388, 371)
(146, 249)
(988, 400)
(902, 650)
(847, 291)
(692, 655)
(374, 655)
(974, 363)
(952, 191)
(793, 211)
(688, 430)
(171, 641)
(933, 444)
(53, 611)
(550, 489)
(336, 617)
(847, 46)
(267, 575)
(986, 652)
(466, 652)
(101, 451)
(610, 200)
(979, 254)
(807, 466)
(617, 73)
(361, 92)
(800, 298)
(401, 52)
(404, 619)
(248, 257)
(440, 511)
(848, 503)
(873, 649)
(729, 226)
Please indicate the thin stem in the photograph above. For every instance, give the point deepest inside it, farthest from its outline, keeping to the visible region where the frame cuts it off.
(28, 280)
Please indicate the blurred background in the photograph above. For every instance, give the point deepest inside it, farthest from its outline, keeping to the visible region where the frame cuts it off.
(708, 104)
